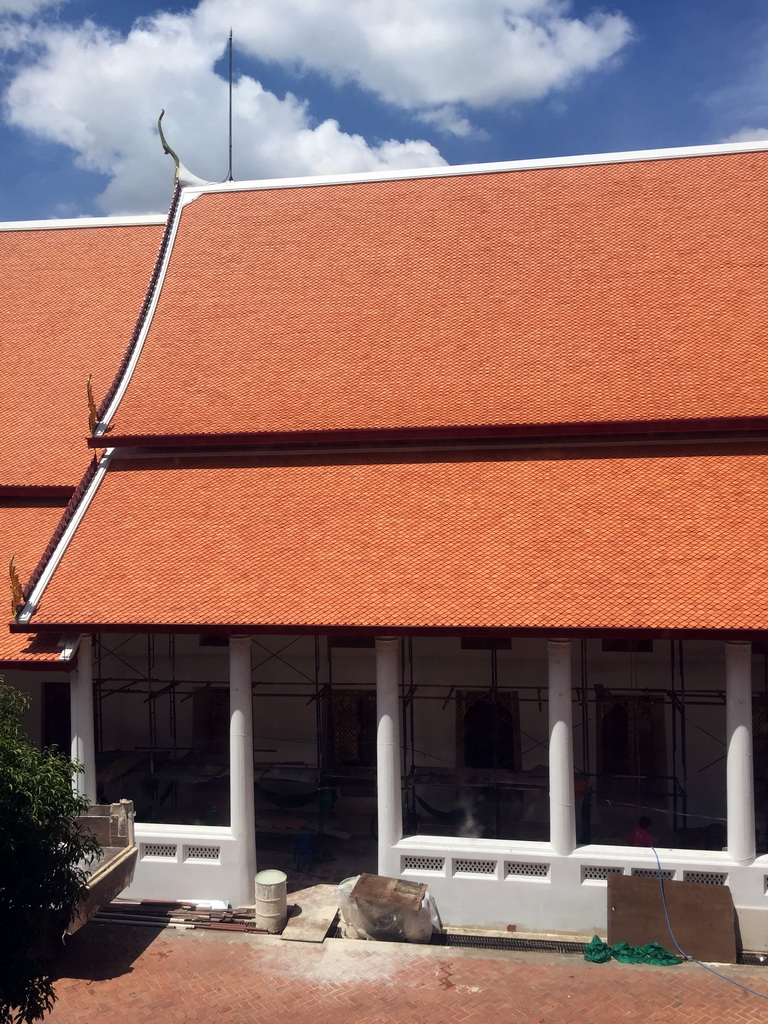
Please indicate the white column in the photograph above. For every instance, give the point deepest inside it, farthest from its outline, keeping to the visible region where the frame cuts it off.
(562, 816)
(738, 719)
(388, 783)
(241, 807)
(81, 721)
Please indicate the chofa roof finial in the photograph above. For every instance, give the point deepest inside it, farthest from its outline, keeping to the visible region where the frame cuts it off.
(17, 593)
(166, 148)
(182, 175)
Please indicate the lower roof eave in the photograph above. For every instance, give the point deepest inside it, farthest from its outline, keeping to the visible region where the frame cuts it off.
(392, 629)
(32, 665)
(48, 492)
(634, 427)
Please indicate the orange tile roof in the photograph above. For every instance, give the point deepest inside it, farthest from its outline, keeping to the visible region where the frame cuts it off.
(25, 529)
(663, 538)
(70, 299)
(627, 291)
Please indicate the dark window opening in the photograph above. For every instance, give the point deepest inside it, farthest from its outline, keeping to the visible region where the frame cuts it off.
(489, 736)
(354, 728)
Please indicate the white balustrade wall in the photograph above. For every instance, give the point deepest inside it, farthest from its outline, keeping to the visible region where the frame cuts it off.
(186, 862)
(492, 884)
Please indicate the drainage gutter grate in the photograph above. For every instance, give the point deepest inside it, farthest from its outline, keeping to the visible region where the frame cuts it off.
(508, 943)
(518, 945)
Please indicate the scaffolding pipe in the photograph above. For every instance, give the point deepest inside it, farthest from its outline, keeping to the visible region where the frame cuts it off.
(683, 727)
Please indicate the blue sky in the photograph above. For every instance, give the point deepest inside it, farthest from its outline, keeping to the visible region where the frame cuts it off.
(347, 85)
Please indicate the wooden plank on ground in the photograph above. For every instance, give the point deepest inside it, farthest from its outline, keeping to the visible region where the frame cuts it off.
(702, 916)
(310, 913)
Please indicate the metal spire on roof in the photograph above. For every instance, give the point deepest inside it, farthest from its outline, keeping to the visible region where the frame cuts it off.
(229, 171)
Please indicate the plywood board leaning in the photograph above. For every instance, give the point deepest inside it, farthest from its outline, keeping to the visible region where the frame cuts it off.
(703, 917)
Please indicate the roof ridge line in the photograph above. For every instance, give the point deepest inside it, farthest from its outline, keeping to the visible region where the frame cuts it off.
(57, 545)
(124, 371)
(91, 480)
(191, 192)
(55, 224)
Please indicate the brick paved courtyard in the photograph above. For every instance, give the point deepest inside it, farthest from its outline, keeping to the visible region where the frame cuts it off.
(137, 975)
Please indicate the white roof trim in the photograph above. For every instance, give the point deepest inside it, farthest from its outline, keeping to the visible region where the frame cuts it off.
(635, 156)
(83, 222)
(101, 426)
(30, 605)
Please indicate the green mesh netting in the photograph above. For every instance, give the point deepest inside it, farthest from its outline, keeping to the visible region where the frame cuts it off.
(599, 952)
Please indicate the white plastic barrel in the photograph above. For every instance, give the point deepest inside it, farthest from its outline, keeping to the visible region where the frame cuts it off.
(271, 900)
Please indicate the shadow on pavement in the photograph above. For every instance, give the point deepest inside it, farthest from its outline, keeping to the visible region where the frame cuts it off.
(99, 952)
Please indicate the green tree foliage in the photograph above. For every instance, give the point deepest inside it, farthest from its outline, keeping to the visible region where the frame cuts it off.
(42, 853)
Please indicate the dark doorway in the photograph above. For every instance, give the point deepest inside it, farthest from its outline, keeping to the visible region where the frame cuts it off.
(56, 716)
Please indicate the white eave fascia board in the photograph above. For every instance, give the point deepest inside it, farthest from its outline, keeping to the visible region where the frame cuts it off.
(32, 602)
(101, 427)
(190, 193)
(143, 220)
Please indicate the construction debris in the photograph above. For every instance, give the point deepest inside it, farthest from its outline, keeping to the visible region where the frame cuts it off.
(387, 909)
(160, 914)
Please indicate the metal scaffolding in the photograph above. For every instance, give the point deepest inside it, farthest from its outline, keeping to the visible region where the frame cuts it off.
(344, 758)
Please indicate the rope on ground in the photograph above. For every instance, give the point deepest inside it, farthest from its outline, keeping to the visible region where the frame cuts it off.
(684, 955)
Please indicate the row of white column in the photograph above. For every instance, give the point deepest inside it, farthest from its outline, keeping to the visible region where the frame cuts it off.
(562, 804)
(740, 786)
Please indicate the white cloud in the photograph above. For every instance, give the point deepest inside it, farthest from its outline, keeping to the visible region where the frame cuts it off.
(99, 94)
(748, 135)
(26, 8)
(739, 105)
(421, 54)
(449, 121)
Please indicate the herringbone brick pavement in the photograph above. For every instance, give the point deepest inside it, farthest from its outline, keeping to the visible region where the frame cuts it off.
(137, 975)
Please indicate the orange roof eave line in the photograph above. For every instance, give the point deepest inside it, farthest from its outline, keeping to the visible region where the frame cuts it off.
(336, 629)
(740, 424)
(35, 665)
(56, 492)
